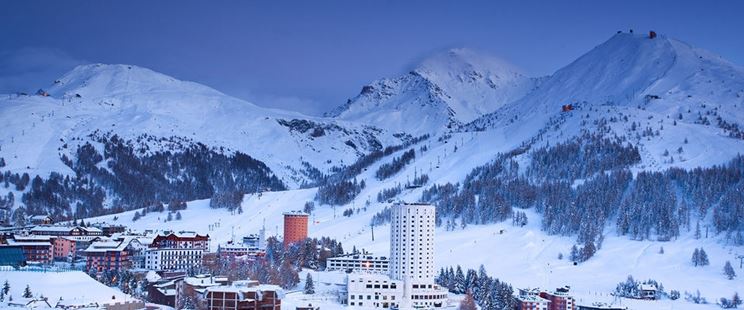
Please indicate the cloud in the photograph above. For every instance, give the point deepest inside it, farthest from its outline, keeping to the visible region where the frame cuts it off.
(30, 68)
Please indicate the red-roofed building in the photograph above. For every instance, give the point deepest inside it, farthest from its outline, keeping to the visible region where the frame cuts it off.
(181, 240)
(559, 300)
(36, 249)
(107, 255)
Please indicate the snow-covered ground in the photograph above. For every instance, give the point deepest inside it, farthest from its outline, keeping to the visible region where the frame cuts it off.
(522, 256)
(72, 286)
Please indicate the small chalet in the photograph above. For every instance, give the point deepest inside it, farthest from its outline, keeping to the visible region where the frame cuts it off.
(649, 291)
(41, 220)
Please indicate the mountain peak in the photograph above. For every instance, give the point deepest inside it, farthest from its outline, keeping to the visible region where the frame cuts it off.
(462, 60)
(449, 88)
(104, 80)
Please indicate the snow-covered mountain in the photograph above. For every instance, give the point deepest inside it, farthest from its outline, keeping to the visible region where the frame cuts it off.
(670, 103)
(130, 102)
(660, 93)
(445, 91)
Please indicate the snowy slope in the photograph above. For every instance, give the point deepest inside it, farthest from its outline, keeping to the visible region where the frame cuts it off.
(662, 84)
(75, 287)
(523, 256)
(132, 101)
(444, 91)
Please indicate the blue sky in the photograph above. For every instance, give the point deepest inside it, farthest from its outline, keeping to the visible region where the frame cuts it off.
(312, 55)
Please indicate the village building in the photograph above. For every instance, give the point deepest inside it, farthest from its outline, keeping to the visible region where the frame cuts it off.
(359, 263)
(36, 249)
(559, 299)
(649, 291)
(244, 295)
(67, 231)
(529, 299)
(176, 251)
(107, 255)
(181, 240)
(64, 249)
(41, 220)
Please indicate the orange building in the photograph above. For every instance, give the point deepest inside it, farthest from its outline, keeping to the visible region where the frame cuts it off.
(64, 248)
(295, 227)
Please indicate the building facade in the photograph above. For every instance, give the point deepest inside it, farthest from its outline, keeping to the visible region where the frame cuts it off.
(108, 255)
(559, 299)
(181, 240)
(412, 243)
(295, 227)
(172, 251)
(36, 249)
(169, 259)
(359, 263)
(64, 248)
(244, 295)
(531, 300)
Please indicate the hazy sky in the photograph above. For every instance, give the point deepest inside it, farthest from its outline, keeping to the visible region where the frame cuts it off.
(312, 55)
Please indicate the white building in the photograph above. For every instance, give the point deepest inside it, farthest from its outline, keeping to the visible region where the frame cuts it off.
(173, 259)
(373, 290)
(359, 263)
(412, 243)
(410, 283)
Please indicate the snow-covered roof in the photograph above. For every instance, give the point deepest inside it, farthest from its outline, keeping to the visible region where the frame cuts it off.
(648, 287)
(205, 280)
(64, 229)
(108, 246)
(243, 287)
(152, 276)
(12, 242)
(32, 238)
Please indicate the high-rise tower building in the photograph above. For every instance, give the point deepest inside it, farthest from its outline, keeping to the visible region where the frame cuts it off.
(295, 227)
(412, 243)
(410, 284)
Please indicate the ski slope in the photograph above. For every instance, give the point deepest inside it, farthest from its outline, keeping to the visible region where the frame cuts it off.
(131, 101)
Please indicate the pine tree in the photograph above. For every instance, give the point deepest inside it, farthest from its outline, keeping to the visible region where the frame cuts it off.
(309, 285)
(696, 257)
(736, 300)
(178, 215)
(6, 287)
(728, 270)
(468, 303)
(703, 258)
(27, 292)
(588, 251)
(574, 256)
(698, 234)
(471, 280)
(459, 285)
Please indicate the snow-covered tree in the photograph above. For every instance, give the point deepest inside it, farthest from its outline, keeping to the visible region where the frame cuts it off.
(309, 285)
(728, 270)
(459, 281)
(27, 292)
